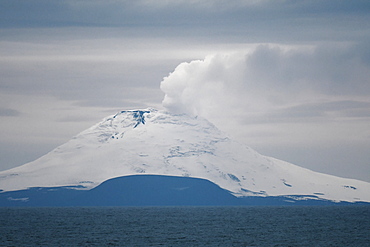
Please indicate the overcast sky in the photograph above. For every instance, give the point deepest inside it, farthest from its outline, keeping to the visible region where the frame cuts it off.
(291, 79)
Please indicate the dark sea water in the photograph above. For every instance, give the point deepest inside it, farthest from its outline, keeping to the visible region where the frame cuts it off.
(186, 226)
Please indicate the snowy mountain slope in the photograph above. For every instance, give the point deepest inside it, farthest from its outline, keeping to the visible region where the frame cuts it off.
(155, 142)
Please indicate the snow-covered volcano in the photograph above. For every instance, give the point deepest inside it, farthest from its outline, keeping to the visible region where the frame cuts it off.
(157, 142)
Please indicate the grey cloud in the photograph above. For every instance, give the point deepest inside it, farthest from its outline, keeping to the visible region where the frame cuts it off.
(330, 69)
(264, 20)
(314, 112)
(23, 13)
(317, 111)
(340, 159)
(76, 118)
(273, 84)
(129, 97)
(8, 112)
(343, 105)
(91, 82)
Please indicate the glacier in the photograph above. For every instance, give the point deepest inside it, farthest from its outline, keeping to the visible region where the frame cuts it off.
(154, 142)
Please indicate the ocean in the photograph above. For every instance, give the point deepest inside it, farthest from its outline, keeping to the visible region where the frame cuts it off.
(186, 226)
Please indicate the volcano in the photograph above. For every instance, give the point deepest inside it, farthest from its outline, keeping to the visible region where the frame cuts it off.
(148, 142)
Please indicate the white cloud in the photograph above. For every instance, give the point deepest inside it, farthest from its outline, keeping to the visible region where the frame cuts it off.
(288, 102)
(272, 85)
(198, 87)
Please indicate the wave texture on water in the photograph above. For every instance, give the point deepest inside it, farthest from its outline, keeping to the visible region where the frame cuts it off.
(186, 226)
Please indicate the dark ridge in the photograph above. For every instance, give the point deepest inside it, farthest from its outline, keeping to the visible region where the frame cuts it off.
(148, 190)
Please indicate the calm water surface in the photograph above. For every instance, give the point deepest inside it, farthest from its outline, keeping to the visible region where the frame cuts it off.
(186, 226)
